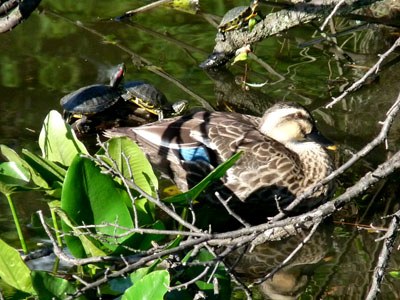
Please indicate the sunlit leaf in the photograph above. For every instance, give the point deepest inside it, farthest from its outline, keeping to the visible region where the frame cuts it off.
(89, 197)
(395, 274)
(252, 23)
(13, 270)
(23, 166)
(49, 287)
(12, 179)
(153, 286)
(47, 169)
(241, 57)
(193, 193)
(58, 141)
(142, 170)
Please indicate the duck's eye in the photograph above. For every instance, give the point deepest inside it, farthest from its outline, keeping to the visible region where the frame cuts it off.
(298, 116)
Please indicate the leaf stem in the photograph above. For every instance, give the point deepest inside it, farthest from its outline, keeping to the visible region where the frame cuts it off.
(17, 225)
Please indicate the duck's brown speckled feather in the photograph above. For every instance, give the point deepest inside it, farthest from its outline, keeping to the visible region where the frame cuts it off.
(266, 171)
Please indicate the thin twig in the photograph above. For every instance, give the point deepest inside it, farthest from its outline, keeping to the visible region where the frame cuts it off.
(289, 257)
(230, 211)
(340, 3)
(384, 257)
(186, 284)
(386, 125)
(374, 69)
(132, 184)
(143, 8)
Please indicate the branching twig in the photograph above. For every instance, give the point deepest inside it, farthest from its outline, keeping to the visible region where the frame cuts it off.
(230, 211)
(186, 284)
(131, 184)
(374, 69)
(384, 257)
(289, 257)
(334, 10)
(391, 114)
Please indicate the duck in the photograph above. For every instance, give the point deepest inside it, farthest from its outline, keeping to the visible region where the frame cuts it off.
(283, 154)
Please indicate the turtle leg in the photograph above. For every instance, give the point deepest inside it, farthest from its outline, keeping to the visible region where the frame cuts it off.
(160, 114)
(82, 125)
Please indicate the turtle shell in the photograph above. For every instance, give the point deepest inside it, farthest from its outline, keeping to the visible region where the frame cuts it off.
(143, 94)
(90, 99)
(233, 16)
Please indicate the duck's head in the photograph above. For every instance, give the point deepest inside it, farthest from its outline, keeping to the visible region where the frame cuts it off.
(291, 123)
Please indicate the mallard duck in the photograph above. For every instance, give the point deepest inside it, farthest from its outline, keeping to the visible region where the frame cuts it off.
(283, 153)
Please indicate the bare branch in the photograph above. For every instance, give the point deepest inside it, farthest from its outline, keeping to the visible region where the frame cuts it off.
(374, 69)
(335, 9)
(186, 284)
(289, 257)
(230, 211)
(386, 125)
(384, 257)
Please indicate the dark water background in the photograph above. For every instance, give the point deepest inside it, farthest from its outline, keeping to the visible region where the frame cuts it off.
(51, 54)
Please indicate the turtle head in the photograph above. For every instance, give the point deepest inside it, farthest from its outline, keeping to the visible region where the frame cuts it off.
(117, 76)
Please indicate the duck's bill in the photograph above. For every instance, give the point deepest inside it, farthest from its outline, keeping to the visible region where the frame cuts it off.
(316, 137)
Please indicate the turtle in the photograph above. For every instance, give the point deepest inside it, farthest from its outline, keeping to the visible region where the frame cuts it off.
(92, 99)
(235, 17)
(148, 97)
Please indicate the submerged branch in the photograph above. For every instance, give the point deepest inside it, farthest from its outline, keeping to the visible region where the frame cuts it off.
(17, 15)
(275, 23)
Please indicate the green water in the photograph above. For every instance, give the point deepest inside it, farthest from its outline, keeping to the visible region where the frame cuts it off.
(69, 44)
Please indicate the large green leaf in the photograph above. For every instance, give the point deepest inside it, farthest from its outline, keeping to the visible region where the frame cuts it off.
(47, 169)
(13, 270)
(23, 166)
(153, 286)
(194, 192)
(89, 197)
(12, 178)
(83, 244)
(49, 287)
(142, 170)
(58, 141)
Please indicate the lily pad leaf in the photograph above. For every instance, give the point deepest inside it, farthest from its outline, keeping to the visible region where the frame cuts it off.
(153, 286)
(58, 141)
(49, 287)
(90, 197)
(13, 270)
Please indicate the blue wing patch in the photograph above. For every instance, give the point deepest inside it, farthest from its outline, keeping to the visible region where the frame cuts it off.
(193, 154)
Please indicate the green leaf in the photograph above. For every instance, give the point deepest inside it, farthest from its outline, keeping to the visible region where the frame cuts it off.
(58, 141)
(12, 156)
(142, 170)
(139, 274)
(241, 57)
(49, 287)
(82, 244)
(13, 270)
(210, 178)
(89, 197)
(47, 169)
(395, 274)
(252, 23)
(153, 286)
(12, 178)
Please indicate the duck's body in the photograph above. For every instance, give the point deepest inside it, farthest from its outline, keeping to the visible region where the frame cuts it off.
(277, 163)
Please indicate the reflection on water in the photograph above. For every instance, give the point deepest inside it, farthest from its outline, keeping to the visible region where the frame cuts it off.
(292, 279)
(49, 56)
